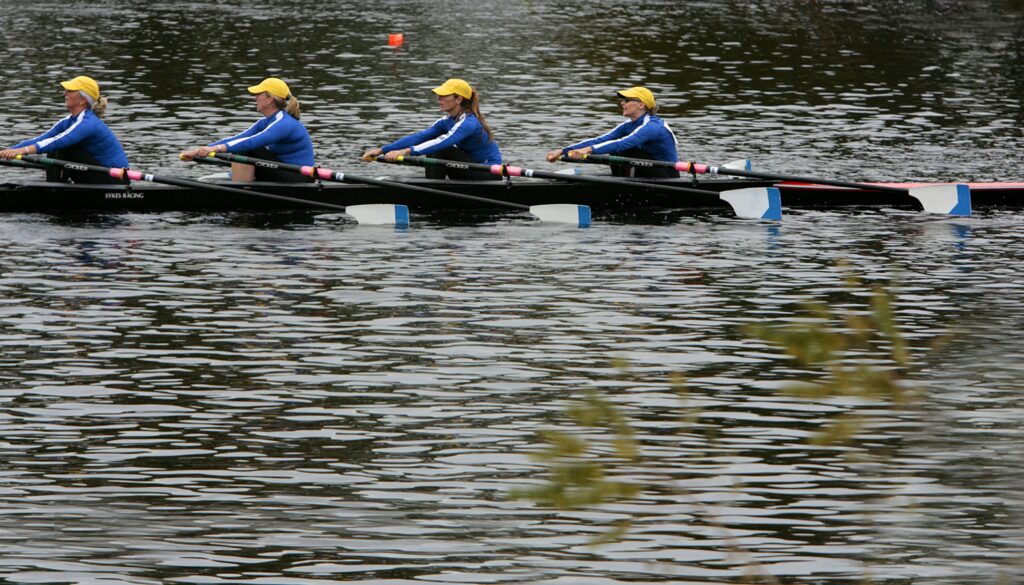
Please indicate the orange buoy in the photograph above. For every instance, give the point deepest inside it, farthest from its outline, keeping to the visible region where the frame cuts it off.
(396, 39)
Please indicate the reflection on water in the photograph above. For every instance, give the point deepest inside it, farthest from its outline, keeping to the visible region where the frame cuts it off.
(267, 399)
(211, 402)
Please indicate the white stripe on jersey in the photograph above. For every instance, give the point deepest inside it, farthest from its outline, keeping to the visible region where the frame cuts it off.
(46, 141)
(647, 118)
(613, 130)
(443, 137)
(674, 139)
(277, 118)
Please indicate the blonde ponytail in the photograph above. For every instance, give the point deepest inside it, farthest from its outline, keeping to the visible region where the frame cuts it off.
(291, 105)
(100, 106)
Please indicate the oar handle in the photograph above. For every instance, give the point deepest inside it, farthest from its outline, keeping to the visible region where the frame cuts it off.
(256, 162)
(207, 160)
(342, 177)
(21, 164)
(610, 159)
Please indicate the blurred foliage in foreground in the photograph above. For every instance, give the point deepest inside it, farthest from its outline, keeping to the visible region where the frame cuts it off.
(591, 463)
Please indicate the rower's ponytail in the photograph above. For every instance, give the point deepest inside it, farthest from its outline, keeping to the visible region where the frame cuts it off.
(291, 105)
(99, 106)
(474, 108)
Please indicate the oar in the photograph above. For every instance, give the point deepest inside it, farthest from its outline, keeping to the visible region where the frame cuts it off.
(742, 164)
(948, 199)
(364, 214)
(556, 213)
(21, 164)
(751, 203)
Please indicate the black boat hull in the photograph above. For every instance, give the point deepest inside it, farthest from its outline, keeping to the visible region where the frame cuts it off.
(604, 200)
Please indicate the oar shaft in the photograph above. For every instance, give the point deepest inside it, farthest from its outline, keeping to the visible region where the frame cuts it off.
(714, 170)
(122, 174)
(341, 177)
(701, 169)
(512, 171)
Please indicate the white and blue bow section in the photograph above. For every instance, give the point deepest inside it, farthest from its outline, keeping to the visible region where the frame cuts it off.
(755, 202)
(380, 214)
(952, 199)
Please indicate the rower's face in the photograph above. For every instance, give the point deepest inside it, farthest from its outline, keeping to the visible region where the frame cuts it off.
(449, 103)
(264, 103)
(631, 107)
(73, 100)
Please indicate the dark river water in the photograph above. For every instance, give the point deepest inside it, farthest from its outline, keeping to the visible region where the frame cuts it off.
(232, 398)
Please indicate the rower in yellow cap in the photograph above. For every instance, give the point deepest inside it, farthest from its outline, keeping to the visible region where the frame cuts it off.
(644, 135)
(79, 137)
(461, 134)
(278, 136)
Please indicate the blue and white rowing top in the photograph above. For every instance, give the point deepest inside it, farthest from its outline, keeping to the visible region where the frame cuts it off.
(84, 129)
(464, 132)
(282, 134)
(648, 133)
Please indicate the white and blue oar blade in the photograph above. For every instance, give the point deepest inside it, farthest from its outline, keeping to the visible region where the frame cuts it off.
(952, 199)
(380, 214)
(738, 165)
(755, 202)
(578, 215)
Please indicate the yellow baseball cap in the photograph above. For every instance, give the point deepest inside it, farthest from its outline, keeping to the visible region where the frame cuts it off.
(83, 83)
(454, 86)
(641, 93)
(273, 86)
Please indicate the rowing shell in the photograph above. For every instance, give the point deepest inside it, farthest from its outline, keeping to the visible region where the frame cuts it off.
(604, 200)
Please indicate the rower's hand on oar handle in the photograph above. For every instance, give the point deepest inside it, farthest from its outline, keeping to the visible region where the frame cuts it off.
(10, 153)
(394, 154)
(202, 152)
(372, 154)
(579, 153)
(554, 155)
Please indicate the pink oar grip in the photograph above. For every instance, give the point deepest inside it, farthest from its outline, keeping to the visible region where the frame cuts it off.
(319, 173)
(691, 167)
(512, 171)
(133, 175)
